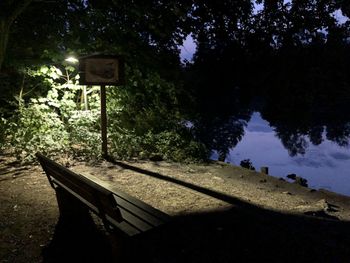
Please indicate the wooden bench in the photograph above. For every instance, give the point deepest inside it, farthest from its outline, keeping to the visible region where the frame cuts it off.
(120, 212)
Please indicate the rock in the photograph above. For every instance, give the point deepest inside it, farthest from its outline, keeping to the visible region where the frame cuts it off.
(287, 193)
(218, 178)
(320, 208)
(322, 214)
(292, 176)
(322, 203)
(263, 181)
(301, 181)
(156, 158)
(327, 207)
(298, 180)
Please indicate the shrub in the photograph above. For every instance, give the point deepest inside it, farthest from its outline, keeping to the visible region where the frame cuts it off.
(246, 163)
(143, 120)
(167, 145)
(84, 135)
(34, 128)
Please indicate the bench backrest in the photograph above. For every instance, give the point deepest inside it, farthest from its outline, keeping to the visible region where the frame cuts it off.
(97, 198)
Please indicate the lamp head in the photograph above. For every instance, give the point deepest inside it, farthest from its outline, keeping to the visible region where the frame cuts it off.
(72, 60)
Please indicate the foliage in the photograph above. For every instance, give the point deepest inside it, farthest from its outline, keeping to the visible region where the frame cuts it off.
(51, 123)
(84, 135)
(36, 128)
(246, 163)
(290, 53)
(167, 145)
(143, 120)
(3, 132)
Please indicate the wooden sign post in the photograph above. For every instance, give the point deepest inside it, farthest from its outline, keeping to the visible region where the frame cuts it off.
(103, 70)
(103, 121)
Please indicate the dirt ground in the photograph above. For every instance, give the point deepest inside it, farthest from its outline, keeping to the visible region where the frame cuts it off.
(221, 213)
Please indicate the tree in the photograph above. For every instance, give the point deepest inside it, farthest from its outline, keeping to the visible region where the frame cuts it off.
(9, 12)
(281, 49)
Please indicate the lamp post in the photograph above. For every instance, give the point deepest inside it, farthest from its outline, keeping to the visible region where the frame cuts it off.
(104, 121)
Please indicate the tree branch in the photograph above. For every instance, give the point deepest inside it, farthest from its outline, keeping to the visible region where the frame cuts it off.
(17, 9)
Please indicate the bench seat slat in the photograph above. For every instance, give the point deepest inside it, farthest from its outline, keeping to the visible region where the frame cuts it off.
(162, 217)
(125, 227)
(136, 211)
(136, 221)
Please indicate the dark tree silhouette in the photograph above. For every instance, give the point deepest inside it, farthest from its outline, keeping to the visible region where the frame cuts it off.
(294, 56)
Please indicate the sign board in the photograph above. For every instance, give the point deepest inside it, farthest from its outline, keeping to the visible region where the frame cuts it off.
(101, 70)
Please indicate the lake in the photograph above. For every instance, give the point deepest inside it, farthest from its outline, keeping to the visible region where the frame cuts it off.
(326, 165)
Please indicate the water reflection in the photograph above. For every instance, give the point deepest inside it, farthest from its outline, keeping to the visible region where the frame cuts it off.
(298, 126)
(309, 140)
(220, 134)
(301, 93)
(325, 165)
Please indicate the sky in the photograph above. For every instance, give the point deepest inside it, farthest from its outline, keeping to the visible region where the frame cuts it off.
(187, 49)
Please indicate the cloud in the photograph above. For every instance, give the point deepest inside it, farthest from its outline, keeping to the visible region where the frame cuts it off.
(314, 162)
(340, 156)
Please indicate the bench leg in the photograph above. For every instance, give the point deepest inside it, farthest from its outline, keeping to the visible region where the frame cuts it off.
(117, 246)
(70, 208)
(76, 237)
(125, 249)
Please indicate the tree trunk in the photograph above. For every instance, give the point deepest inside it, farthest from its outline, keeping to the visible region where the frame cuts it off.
(4, 37)
(6, 21)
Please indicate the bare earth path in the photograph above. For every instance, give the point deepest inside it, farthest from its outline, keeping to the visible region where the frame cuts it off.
(221, 214)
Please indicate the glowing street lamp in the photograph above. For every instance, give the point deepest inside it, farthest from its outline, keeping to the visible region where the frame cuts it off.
(72, 60)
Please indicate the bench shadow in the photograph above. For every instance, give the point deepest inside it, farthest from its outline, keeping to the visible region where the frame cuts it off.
(247, 233)
(236, 235)
(221, 196)
(251, 235)
(78, 240)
